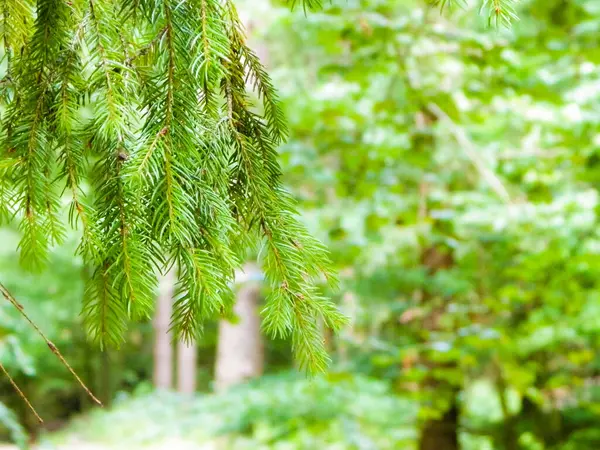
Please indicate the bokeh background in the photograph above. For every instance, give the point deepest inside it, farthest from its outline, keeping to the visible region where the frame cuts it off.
(453, 169)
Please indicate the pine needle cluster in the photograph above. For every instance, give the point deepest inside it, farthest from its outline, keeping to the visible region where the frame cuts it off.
(498, 12)
(160, 125)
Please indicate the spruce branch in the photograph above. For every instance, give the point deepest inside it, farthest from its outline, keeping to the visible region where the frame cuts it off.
(500, 12)
(16, 15)
(30, 137)
(125, 283)
(307, 5)
(448, 4)
(184, 165)
(293, 304)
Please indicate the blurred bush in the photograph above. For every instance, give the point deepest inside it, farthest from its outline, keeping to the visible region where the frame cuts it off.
(276, 412)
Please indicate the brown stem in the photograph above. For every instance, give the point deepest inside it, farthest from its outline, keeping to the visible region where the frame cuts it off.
(21, 394)
(8, 296)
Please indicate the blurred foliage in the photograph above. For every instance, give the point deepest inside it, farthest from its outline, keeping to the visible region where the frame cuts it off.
(282, 412)
(8, 420)
(452, 170)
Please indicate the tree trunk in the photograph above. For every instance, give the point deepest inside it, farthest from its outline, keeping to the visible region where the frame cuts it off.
(240, 354)
(186, 367)
(442, 433)
(509, 434)
(163, 347)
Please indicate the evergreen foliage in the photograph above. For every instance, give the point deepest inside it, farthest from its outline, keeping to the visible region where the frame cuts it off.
(151, 102)
(499, 12)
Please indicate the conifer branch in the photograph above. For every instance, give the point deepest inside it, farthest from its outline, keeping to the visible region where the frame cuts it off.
(29, 136)
(501, 12)
(125, 260)
(293, 305)
(498, 12)
(307, 5)
(170, 82)
(183, 163)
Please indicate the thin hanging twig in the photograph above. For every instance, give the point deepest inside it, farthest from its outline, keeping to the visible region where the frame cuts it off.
(8, 296)
(21, 394)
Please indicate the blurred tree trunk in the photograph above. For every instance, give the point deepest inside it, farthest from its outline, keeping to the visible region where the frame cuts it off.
(442, 433)
(186, 367)
(510, 437)
(240, 353)
(439, 433)
(163, 347)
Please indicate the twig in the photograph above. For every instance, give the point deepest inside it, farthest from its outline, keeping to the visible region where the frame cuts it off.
(467, 146)
(8, 296)
(21, 394)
